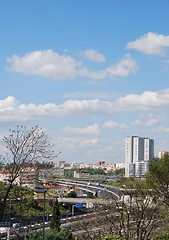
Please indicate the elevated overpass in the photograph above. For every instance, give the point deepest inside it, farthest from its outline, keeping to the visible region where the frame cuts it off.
(84, 200)
(114, 192)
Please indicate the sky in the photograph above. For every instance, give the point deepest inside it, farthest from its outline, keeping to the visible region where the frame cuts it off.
(90, 72)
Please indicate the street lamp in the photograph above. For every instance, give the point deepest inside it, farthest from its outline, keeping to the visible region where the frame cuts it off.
(42, 190)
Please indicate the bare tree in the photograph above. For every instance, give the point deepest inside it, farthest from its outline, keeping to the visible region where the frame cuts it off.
(24, 147)
(134, 218)
(138, 214)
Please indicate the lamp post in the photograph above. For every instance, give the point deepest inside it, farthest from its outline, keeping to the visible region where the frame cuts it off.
(73, 209)
(42, 190)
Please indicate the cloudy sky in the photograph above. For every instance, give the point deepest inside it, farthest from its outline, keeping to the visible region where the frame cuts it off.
(90, 73)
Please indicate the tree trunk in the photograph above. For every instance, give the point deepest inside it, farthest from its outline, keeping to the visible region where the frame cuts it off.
(4, 202)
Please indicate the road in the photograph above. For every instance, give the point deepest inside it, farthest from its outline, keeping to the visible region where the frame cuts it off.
(104, 191)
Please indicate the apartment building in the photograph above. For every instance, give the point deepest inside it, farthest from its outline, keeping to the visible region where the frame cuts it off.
(138, 152)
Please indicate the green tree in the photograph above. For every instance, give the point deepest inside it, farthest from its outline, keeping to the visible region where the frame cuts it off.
(53, 234)
(24, 147)
(158, 177)
(69, 173)
(136, 215)
(72, 194)
(120, 171)
(55, 220)
(111, 237)
(91, 171)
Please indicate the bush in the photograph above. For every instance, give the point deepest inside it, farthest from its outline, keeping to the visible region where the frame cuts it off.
(53, 234)
(72, 194)
(111, 237)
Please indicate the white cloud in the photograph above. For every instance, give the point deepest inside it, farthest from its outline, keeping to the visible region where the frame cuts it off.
(145, 101)
(112, 124)
(126, 66)
(123, 68)
(163, 129)
(87, 106)
(90, 95)
(52, 65)
(148, 123)
(93, 129)
(151, 43)
(88, 142)
(76, 142)
(94, 55)
(12, 110)
(45, 63)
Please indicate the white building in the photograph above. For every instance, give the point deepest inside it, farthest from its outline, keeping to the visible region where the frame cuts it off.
(138, 152)
(161, 154)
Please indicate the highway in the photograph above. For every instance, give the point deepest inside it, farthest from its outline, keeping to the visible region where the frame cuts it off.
(103, 190)
(85, 200)
(106, 195)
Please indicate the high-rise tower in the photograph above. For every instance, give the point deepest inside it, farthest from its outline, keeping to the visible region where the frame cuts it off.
(138, 152)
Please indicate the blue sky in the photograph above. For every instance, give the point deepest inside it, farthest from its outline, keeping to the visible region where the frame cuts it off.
(89, 72)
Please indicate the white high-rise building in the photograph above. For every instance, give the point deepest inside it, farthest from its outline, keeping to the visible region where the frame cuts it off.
(138, 152)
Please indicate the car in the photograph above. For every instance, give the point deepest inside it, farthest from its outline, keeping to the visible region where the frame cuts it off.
(16, 225)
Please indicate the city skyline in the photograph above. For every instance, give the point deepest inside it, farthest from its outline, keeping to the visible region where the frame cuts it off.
(90, 73)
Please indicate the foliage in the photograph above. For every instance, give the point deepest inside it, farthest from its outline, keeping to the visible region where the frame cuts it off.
(125, 182)
(158, 177)
(163, 237)
(72, 194)
(24, 147)
(138, 205)
(21, 192)
(23, 208)
(91, 171)
(69, 173)
(55, 220)
(28, 205)
(53, 234)
(111, 237)
(120, 171)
